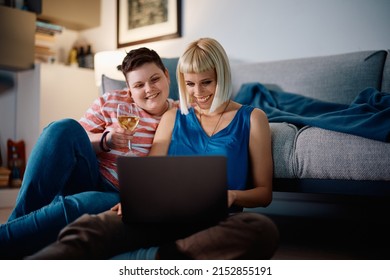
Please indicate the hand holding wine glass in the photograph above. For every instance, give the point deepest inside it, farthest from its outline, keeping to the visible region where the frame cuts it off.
(128, 118)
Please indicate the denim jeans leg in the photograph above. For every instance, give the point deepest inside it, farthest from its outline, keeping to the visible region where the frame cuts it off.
(61, 162)
(27, 234)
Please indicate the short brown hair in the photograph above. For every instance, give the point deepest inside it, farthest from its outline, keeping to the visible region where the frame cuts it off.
(138, 57)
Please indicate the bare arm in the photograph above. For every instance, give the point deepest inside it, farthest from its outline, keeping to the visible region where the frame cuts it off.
(117, 138)
(95, 141)
(261, 164)
(163, 135)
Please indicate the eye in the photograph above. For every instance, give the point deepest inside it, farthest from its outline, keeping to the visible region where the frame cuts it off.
(155, 79)
(207, 82)
(138, 85)
(190, 84)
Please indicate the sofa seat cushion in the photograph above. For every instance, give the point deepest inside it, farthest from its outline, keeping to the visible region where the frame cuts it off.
(325, 154)
(283, 141)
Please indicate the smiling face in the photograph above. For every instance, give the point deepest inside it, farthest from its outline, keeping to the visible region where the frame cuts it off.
(149, 87)
(201, 87)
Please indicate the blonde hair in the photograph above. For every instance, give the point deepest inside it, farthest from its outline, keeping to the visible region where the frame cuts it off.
(202, 55)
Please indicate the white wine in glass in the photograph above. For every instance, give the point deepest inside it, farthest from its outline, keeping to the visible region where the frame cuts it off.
(128, 118)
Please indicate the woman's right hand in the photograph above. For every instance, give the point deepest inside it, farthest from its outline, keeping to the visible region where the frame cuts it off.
(118, 138)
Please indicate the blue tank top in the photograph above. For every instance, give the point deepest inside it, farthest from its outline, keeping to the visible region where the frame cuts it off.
(189, 138)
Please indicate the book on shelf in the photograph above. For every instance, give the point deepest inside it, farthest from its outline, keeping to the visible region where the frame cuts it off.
(4, 176)
(48, 28)
(44, 38)
(4, 171)
(45, 51)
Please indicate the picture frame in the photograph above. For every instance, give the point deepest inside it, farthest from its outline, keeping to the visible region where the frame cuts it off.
(147, 21)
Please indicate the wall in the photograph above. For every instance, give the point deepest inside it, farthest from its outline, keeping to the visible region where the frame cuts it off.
(263, 30)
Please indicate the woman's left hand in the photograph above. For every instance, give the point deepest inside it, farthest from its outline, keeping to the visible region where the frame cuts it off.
(117, 208)
(231, 197)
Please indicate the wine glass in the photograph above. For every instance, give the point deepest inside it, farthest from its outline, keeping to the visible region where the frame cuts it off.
(128, 118)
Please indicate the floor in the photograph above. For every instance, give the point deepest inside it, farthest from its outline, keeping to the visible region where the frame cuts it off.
(4, 213)
(317, 228)
(322, 239)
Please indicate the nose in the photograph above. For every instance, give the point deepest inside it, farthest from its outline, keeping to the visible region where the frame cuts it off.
(197, 88)
(148, 87)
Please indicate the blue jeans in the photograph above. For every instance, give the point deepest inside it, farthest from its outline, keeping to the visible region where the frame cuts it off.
(61, 182)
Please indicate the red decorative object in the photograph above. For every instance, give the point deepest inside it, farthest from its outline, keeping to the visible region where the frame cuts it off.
(16, 155)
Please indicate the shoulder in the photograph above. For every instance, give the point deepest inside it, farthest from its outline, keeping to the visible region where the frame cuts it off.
(259, 122)
(258, 118)
(256, 114)
(259, 115)
(169, 117)
(170, 113)
(115, 96)
(173, 103)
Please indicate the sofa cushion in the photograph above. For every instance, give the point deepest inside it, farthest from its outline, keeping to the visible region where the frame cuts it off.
(334, 78)
(325, 154)
(109, 84)
(283, 140)
(386, 75)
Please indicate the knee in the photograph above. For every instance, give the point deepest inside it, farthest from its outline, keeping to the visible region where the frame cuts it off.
(86, 203)
(63, 128)
(263, 236)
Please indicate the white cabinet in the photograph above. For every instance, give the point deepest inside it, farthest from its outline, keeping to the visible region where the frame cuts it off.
(51, 92)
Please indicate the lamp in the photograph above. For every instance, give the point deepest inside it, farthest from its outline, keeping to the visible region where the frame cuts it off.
(106, 63)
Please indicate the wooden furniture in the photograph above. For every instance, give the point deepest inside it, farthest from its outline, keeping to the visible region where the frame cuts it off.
(72, 14)
(17, 30)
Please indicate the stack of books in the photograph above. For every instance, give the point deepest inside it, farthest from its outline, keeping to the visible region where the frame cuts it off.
(45, 39)
(4, 177)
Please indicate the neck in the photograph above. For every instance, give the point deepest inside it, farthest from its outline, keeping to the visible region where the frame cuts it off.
(207, 127)
(221, 109)
(163, 110)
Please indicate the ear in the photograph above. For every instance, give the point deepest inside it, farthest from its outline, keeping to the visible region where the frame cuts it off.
(128, 88)
(166, 73)
(128, 91)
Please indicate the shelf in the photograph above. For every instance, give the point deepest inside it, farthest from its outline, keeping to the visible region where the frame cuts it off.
(72, 14)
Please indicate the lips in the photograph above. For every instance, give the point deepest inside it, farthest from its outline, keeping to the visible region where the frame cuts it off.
(152, 96)
(203, 99)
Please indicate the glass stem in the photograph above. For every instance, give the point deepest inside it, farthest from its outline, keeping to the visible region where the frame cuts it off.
(129, 145)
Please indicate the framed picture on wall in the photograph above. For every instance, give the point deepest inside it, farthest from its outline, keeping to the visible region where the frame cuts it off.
(142, 21)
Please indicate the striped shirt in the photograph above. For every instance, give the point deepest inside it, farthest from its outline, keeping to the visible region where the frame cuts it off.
(102, 115)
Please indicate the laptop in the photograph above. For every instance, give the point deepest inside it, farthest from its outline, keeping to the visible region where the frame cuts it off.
(187, 191)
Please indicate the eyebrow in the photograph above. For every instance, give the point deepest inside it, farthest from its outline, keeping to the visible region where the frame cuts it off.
(151, 77)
